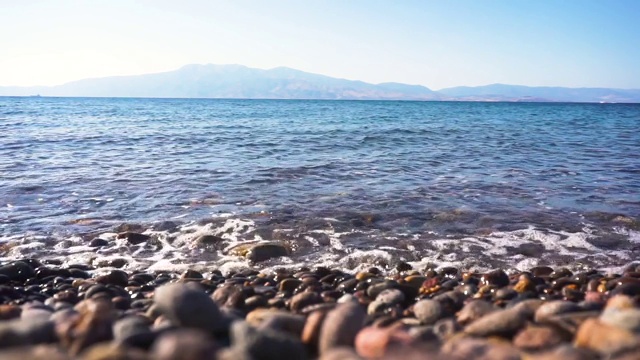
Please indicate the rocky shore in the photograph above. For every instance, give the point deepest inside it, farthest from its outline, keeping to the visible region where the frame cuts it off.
(73, 312)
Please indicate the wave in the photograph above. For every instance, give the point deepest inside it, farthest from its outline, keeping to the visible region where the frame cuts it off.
(327, 242)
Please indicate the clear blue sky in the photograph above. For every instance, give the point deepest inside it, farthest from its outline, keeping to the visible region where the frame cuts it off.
(576, 43)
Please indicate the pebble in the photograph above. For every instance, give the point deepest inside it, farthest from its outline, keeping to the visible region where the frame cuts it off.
(97, 242)
(133, 238)
(603, 338)
(474, 310)
(552, 308)
(304, 299)
(92, 325)
(189, 307)
(628, 319)
(564, 352)
(373, 342)
(312, 326)
(8, 312)
(479, 349)
(107, 351)
(390, 297)
(340, 353)
(263, 252)
(26, 332)
(535, 338)
(289, 285)
(496, 278)
(375, 289)
(284, 322)
(428, 311)
(315, 313)
(505, 323)
(208, 240)
(184, 344)
(250, 343)
(341, 326)
(17, 271)
(133, 331)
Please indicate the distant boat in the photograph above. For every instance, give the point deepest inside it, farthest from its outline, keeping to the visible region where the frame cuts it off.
(36, 95)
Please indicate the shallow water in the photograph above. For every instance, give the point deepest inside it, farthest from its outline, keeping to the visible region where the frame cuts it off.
(342, 183)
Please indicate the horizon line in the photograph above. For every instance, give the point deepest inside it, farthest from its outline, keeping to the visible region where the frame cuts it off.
(38, 96)
(307, 72)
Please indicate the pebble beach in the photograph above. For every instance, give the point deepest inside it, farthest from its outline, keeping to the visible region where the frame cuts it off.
(76, 312)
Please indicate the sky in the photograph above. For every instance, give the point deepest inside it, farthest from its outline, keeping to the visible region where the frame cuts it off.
(438, 44)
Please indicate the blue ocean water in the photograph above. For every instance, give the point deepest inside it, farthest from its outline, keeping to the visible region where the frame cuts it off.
(371, 175)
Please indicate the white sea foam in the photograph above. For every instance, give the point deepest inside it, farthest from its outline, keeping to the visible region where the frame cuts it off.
(350, 250)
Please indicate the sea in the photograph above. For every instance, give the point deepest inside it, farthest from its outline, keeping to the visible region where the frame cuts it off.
(342, 184)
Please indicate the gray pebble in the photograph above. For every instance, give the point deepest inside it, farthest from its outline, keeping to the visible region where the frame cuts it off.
(551, 308)
(133, 330)
(26, 332)
(474, 310)
(499, 323)
(628, 319)
(250, 343)
(390, 297)
(184, 344)
(428, 311)
(188, 306)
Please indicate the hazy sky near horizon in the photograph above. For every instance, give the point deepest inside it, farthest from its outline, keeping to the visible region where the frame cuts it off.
(574, 43)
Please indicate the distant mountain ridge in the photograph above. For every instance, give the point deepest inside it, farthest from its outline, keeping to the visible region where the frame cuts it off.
(501, 92)
(237, 81)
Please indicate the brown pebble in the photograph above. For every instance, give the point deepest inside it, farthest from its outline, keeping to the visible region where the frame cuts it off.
(534, 338)
(257, 316)
(8, 312)
(312, 326)
(594, 297)
(479, 349)
(133, 238)
(191, 274)
(563, 352)
(414, 281)
(93, 325)
(114, 277)
(473, 311)
(341, 326)
(524, 284)
(303, 299)
(541, 271)
(361, 276)
(373, 342)
(620, 302)
(340, 353)
(289, 285)
(108, 351)
(496, 278)
(604, 339)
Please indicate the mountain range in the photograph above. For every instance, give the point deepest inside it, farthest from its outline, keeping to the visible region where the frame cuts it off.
(237, 81)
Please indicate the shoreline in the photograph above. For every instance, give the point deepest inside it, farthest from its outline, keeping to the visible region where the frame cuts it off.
(70, 312)
(232, 243)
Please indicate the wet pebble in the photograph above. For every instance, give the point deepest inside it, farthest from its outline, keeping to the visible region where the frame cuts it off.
(189, 307)
(505, 323)
(428, 311)
(341, 326)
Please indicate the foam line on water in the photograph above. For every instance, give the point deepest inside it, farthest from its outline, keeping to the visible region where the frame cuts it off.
(352, 250)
